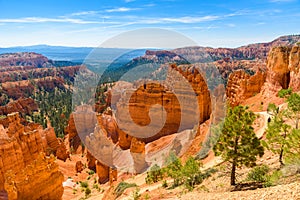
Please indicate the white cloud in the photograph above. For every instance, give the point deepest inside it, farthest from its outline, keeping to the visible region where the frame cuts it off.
(150, 5)
(91, 12)
(44, 20)
(120, 9)
(188, 19)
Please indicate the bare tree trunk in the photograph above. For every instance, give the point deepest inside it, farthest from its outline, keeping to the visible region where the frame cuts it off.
(280, 157)
(232, 177)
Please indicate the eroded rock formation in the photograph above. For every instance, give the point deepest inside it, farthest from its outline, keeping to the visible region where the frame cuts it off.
(22, 167)
(41, 179)
(23, 105)
(24, 59)
(191, 99)
(73, 138)
(278, 74)
(55, 145)
(282, 70)
(294, 66)
(241, 86)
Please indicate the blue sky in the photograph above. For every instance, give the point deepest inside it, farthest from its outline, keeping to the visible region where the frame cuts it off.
(89, 23)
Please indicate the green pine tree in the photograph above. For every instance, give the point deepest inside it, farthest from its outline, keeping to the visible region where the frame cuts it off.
(293, 100)
(277, 131)
(238, 143)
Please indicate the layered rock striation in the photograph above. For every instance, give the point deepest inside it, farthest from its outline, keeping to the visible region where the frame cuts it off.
(25, 172)
(241, 86)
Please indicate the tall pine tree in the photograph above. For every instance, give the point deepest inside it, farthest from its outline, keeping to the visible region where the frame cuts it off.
(277, 132)
(238, 143)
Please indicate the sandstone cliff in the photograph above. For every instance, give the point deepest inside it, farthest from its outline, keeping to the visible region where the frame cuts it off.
(241, 86)
(21, 161)
(282, 70)
(55, 145)
(294, 65)
(191, 99)
(38, 180)
(24, 59)
(23, 105)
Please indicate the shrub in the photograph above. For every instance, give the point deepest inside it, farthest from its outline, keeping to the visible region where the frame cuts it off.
(164, 184)
(95, 186)
(135, 194)
(146, 196)
(74, 191)
(191, 173)
(259, 174)
(154, 175)
(273, 179)
(87, 191)
(84, 184)
(174, 169)
(122, 186)
(91, 172)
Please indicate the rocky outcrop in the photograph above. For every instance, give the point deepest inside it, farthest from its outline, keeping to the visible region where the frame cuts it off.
(91, 161)
(108, 123)
(18, 73)
(282, 70)
(25, 88)
(38, 180)
(183, 99)
(55, 145)
(22, 166)
(248, 52)
(278, 74)
(18, 148)
(137, 150)
(294, 66)
(79, 167)
(241, 86)
(23, 105)
(102, 172)
(228, 66)
(24, 59)
(73, 137)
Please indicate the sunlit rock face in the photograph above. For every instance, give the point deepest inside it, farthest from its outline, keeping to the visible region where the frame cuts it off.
(39, 180)
(294, 66)
(25, 172)
(22, 105)
(241, 86)
(174, 107)
(149, 111)
(282, 70)
(278, 74)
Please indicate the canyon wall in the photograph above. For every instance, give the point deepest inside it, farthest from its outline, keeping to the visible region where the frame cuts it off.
(22, 167)
(241, 86)
(282, 70)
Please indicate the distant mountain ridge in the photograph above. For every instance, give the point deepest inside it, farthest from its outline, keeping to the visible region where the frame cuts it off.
(78, 54)
(247, 52)
(192, 54)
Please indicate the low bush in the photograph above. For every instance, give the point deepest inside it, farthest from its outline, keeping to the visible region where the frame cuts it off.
(84, 184)
(122, 186)
(154, 175)
(259, 174)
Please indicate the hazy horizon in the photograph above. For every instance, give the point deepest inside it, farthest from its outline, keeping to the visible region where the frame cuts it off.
(50, 45)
